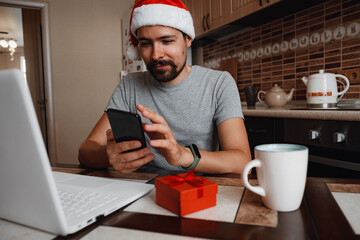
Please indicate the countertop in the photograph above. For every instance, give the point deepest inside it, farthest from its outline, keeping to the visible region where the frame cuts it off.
(262, 110)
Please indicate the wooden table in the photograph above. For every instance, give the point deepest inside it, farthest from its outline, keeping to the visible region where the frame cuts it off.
(319, 217)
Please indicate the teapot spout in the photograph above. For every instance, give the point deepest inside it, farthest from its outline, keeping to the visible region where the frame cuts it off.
(305, 80)
(290, 95)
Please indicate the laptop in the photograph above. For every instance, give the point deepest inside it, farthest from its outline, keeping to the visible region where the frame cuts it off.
(30, 192)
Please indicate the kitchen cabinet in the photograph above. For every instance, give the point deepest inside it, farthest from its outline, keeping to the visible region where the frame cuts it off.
(329, 156)
(207, 14)
(236, 9)
(263, 130)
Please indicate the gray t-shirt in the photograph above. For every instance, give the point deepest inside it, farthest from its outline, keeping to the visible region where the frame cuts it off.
(193, 108)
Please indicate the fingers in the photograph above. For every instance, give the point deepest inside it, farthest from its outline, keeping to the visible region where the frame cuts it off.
(152, 116)
(129, 162)
(160, 128)
(159, 124)
(109, 135)
(160, 133)
(166, 144)
(121, 146)
(123, 161)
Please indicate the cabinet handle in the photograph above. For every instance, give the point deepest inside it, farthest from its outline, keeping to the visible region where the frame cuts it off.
(313, 134)
(203, 23)
(207, 21)
(339, 137)
(260, 3)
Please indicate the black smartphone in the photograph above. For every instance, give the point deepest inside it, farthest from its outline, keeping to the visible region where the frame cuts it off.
(126, 126)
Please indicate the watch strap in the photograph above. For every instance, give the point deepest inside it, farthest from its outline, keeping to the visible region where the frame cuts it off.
(195, 152)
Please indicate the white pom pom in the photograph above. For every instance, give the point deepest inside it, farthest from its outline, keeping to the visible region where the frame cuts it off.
(132, 53)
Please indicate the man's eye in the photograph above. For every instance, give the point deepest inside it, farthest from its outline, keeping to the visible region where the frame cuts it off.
(144, 43)
(168, 41)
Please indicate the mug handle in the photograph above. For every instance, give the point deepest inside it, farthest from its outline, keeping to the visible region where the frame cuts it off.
(258, 95)
(256, 189)
(346, 87)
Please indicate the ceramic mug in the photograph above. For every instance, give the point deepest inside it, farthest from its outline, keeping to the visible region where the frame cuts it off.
(281, 172)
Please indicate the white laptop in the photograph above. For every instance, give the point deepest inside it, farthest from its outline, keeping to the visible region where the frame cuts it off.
(30, 192)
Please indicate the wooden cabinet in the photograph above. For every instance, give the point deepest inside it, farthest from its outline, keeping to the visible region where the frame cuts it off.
(207, 14)
(212, 14)
(263, 130)
(237, 9)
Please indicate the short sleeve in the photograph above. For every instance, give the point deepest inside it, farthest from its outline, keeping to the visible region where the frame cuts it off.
(228, 104)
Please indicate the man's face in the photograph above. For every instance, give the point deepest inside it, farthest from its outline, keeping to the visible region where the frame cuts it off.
(164, 51)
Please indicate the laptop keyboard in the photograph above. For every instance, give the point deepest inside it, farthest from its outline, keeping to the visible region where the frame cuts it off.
(77, 204)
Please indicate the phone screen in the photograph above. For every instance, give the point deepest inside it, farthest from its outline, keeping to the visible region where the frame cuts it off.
(126, 126)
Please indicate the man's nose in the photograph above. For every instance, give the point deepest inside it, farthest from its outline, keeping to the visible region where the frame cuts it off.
(157, 52)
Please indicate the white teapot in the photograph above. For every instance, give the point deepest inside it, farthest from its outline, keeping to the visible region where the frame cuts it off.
(276, 96)
(322, 89)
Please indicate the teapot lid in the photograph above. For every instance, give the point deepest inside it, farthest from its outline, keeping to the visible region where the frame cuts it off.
(276, 88)
(322, 73)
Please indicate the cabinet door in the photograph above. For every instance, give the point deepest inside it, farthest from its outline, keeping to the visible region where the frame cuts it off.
(242, 8)
(195, 8)
(211, 15)
(189, 4)
(263, 130)
(216, 14)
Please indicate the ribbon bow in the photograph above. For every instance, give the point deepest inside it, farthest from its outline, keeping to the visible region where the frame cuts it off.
(189, 178)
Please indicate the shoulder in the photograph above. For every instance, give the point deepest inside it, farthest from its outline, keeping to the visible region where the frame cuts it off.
(136, 76)
(200, 69)
(213, 78)
(211, 74)
(136, 79)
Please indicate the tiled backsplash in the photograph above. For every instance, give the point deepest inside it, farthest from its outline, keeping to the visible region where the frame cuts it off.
(326, 36)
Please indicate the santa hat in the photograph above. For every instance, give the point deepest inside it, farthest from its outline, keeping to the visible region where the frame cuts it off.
(169, 13)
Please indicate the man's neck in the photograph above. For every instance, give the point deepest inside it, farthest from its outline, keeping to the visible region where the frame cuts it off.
(181, 77)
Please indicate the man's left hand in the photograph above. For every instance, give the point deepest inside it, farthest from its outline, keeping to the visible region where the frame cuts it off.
(162, 138)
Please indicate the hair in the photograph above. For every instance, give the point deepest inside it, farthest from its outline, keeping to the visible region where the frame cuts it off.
(184, 35)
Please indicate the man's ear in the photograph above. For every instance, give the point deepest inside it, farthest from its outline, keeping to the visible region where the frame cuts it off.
(188, 41)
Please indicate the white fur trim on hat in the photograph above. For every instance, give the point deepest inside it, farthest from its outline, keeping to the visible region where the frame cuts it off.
(165, 15)
(133, 53)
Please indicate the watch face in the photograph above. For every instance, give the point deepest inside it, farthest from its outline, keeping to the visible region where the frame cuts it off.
(196, 150)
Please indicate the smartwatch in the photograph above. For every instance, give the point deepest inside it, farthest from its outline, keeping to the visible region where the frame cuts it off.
(195, 152)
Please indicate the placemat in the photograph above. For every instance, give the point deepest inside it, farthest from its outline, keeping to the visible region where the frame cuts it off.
(347, 197)
(252, 211)
(116, 233)
(348, 188)
(227, 181)
(228, 199)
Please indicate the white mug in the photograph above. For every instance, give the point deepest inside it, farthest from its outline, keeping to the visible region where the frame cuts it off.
(281, 172)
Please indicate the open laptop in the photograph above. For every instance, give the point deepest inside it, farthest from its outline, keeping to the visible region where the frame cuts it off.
(30, 192)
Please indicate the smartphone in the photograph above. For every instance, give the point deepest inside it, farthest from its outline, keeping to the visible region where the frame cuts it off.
(126, 126)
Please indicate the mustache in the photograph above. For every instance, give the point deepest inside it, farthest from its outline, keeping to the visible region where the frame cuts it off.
(154, 63)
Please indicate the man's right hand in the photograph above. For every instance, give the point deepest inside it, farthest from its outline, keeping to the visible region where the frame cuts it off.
(129, 161)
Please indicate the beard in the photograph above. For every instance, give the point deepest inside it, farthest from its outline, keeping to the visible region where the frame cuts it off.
(164, 75)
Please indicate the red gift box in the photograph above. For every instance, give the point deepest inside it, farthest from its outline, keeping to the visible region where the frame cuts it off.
(185, 193)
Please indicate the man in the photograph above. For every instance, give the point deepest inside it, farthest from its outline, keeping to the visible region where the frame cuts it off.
(183, 107)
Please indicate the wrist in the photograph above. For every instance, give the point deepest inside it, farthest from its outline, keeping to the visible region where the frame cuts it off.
(187, 158)
(194, 157)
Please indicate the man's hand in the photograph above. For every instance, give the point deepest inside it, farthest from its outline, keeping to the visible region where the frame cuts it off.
(163, 139)
(126, 162)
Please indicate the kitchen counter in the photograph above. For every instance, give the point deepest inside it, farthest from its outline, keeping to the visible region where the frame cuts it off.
(262, 110)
